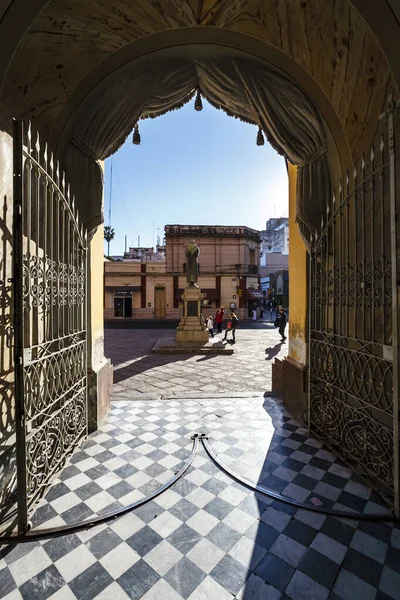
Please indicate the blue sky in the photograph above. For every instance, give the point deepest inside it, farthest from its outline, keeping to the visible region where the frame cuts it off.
(192, 168)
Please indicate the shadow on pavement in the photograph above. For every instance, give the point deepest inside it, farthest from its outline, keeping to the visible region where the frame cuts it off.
(136, 359)
(135, 363)
(273, 351)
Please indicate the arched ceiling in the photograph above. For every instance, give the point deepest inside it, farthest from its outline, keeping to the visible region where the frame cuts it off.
(244, 87)
(70, 38)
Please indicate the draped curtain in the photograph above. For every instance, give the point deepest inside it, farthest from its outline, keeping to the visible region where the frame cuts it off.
(246, 88)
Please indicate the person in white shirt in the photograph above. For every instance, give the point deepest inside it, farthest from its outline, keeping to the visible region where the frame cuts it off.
(210, 325)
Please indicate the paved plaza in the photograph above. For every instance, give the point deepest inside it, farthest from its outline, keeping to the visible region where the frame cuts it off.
(207, 537)
(138, 372)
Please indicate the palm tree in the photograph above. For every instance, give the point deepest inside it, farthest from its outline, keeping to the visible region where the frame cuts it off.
(109, 235)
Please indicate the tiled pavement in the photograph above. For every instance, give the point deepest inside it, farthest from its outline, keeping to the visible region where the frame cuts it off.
(208, 537)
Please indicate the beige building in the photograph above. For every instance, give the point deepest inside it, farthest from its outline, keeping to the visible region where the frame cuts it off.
(228, 274)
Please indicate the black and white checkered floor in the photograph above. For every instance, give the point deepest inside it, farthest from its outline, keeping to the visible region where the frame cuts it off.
(207, 537)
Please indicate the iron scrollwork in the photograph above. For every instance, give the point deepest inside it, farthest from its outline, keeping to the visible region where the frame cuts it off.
(52, 280)
(351, 401)
(363, 442)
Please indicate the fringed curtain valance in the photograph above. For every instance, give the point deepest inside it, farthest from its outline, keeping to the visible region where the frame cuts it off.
(243, 87)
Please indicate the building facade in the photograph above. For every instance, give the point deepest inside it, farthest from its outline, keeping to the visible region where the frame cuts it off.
(228, 274)
(275, 289)
(274, 263)
(145, 254)
(275, 237)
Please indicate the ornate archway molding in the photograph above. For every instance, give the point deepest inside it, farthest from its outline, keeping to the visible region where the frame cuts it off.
(220, 39)
(255, 74)
(16, 17)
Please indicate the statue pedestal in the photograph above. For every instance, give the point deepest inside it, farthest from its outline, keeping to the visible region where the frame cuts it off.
(192, 337)
(191, 329)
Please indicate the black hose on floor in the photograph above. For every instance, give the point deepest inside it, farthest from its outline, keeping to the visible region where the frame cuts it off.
(272, 494)
(38, 534)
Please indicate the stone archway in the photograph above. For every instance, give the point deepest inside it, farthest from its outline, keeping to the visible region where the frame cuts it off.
(103, 110)
(181, 40)
(140, 89)
(325, 52)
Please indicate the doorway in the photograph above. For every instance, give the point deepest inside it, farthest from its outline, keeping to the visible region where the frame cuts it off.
(123, 305)
(160, 303)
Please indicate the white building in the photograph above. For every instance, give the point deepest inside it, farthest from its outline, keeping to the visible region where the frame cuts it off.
(275, 243)
(281, 238)
(140, 254)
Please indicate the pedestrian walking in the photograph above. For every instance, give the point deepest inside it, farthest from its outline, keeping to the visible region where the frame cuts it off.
(219, 318)
(282, 323)
(210, 325)
(231, 326)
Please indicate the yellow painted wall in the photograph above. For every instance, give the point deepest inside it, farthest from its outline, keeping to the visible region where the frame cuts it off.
(96, 283)
(297, 279)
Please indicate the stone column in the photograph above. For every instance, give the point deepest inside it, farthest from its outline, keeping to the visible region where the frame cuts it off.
(100, 371)
(289, 377)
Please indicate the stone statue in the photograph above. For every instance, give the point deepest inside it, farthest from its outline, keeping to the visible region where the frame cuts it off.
(192, 270)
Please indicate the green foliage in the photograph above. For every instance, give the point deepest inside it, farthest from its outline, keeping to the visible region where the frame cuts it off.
(109, 235)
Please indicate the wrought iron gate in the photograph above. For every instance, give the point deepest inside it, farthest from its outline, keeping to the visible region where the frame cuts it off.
(353, 348)
(50, 253)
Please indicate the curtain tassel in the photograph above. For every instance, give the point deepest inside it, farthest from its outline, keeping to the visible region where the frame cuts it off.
(198, 104)
(136, 135)
(260, 137)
